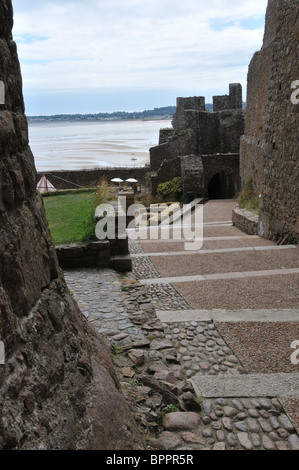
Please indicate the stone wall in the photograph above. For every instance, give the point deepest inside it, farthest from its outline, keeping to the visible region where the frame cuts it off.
(222, 163)
(253, 140)
(91, 178)
(269, 151)
(195, 103)
(232, 101)
(280, 196)
(245, 220)
(199, 132)
(169, 169)
(58, 387)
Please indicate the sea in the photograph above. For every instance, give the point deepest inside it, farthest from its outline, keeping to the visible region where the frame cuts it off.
(76, 145)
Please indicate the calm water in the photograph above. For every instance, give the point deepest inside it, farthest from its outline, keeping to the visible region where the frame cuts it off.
(78, 145)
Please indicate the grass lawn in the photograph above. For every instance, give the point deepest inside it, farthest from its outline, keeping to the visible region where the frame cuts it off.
(68, 215)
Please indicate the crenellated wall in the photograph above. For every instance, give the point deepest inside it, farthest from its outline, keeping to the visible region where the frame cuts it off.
(197, 133)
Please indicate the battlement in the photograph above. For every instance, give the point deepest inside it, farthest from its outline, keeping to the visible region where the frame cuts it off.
(232, 101)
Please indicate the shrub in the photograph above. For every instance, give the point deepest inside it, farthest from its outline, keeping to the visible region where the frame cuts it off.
(105, 192)
(171, 189)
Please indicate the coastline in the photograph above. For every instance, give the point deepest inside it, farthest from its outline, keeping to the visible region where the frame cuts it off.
(64, 146)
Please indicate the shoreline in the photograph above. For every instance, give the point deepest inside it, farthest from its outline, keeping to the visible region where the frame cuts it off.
(80, 121)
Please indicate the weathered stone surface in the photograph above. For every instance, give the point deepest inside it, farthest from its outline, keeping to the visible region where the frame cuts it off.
(270, 145)
(59, 389)
(245, 440)
(136, 356)
(191, 438)
(169, 440)
(179, 421)
(202, 145)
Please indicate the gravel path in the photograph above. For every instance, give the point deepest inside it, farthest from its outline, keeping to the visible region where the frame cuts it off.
(264, 347)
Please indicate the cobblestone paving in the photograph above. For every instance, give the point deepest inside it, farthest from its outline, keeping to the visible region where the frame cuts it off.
(167, 355)
(163, 297)
(172, 353)
(201, 349)
(227, 424)
(101, 299)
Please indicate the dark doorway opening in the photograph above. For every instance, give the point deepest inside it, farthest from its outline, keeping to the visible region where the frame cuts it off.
(222, 186)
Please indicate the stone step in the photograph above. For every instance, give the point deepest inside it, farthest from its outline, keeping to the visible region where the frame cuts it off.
(247, 385)
(223, 315)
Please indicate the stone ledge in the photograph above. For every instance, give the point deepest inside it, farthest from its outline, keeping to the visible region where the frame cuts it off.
(92, 255)
(83, 255)
(245, 220)
(251, 385)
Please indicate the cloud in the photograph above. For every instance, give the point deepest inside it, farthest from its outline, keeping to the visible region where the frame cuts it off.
(128, 44)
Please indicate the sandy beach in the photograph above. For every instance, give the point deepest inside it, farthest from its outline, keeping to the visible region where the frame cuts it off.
(87, 145)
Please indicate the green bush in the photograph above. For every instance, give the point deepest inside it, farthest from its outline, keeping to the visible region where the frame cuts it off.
(171, 190)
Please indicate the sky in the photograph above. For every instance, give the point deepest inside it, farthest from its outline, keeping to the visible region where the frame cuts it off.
(130, 55)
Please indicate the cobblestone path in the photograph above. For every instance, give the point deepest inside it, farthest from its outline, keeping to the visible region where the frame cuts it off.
(171, 335)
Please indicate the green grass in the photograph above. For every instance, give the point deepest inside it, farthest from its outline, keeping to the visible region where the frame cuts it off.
(69, 216)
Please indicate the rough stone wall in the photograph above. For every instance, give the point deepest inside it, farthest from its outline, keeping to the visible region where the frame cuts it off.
(253, 140)
(195, 103)
(192, 175)
(165, 134)
(232, 101)
(227, 163)
(199, 132)
(269, 150)
(58, 388)
(169, 169)
(280, 195)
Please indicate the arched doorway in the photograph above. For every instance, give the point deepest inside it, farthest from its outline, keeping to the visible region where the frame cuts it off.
(222, 186)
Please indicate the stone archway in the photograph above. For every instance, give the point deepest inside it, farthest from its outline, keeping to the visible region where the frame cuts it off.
(221, 186)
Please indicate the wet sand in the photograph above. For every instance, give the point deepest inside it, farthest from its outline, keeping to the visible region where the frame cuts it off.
(89, 145)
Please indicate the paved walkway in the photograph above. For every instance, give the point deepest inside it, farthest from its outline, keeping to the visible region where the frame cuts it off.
(228, 316)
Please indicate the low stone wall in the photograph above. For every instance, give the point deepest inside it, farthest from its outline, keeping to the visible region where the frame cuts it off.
(92, 255)
(245, 220)
(83, 255)
(91, 178)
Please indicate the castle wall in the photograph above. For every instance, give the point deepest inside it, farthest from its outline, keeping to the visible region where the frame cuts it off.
(232, 101)
(58, 386)
(279, 215)
(269, 147)
(199, 132)
(253, 140)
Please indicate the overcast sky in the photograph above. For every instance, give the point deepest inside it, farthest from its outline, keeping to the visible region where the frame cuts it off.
(109, 55)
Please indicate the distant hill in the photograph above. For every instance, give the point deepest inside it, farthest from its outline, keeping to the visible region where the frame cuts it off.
(166, 112)
(157, 113)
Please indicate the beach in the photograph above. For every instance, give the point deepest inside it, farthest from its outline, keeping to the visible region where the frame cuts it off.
(93, 144)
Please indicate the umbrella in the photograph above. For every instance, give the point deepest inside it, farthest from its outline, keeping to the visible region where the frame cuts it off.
(131, 180)
(117, 180)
